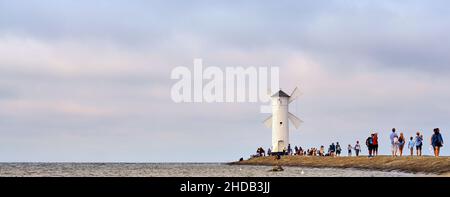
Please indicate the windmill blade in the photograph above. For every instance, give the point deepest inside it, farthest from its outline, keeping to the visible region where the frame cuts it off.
(295, 93)
(268, 122)
(295, 120)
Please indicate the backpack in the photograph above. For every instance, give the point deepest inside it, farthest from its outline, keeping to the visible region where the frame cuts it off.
(369, 141)
(395, 140)
(419, 140)
(439, 140)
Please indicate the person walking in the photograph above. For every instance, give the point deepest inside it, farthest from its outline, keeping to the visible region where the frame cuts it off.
(401, 143)
(375, 144)
(411, 145)
(436, 141)
(357, 148)
(338, 149)
(369, 144)
(349, 147)
(418, 141)
(394, 142)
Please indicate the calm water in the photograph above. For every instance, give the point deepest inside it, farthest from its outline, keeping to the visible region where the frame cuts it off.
(177, 170)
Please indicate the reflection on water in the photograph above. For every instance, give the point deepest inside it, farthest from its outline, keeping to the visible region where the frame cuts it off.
(178, 170)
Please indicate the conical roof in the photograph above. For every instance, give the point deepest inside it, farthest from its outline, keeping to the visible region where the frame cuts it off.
(280, 94)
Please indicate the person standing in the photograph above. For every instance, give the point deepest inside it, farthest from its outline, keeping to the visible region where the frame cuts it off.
(338, 149)
(357, 148)
(332, 149)
(436, 141)
(369, 144)
(349, 147)
(401, 143)
(322, 151)
(411, 145)
(419, 143)
(375, 144)
(394, 140)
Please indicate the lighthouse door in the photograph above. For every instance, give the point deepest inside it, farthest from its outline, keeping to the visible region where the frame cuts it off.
(280, 145)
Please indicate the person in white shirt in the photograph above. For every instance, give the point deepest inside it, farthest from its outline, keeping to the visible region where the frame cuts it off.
(394, 142)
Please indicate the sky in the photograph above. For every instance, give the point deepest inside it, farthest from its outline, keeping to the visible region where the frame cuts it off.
(89, 81)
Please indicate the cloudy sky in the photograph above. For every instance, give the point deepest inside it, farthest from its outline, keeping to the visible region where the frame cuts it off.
(90, 80)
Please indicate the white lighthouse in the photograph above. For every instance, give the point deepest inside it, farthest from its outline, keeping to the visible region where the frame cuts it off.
(279, 120)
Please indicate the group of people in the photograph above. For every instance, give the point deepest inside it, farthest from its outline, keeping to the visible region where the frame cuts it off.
(357, 149)
(397, 145)
(260, 152)
(372, 144)
(334, 150)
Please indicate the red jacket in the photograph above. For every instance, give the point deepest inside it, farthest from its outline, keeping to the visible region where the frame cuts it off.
(375, 140)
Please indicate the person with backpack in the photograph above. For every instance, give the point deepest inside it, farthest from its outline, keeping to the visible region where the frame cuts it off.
(369, 144)
(357, 148)
(418, 141)
(436, 141)
(401, 143)
(375, 144)
(332, 149)
(411, 145)
(394, 142)
(338, 149)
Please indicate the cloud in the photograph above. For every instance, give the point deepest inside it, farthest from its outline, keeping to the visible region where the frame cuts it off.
(92, 79)
(59, 107)
(71, 57)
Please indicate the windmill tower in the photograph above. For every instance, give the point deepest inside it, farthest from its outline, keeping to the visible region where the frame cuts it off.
(279, 120)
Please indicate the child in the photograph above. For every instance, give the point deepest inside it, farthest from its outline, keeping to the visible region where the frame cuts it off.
(411, 145)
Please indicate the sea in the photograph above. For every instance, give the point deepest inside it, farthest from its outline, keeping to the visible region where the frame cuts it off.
(180, 170)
